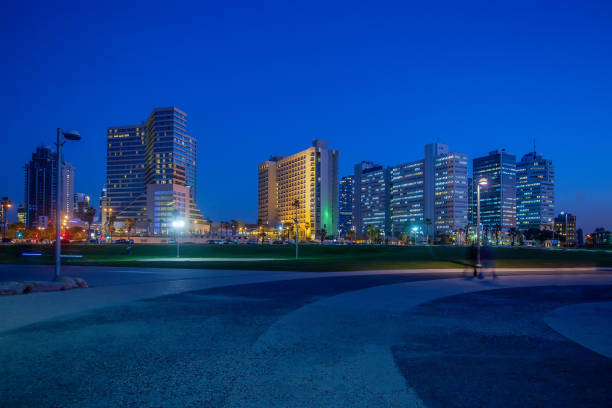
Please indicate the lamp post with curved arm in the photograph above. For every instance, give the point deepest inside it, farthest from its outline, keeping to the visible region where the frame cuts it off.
(73, 135)
(482, 182)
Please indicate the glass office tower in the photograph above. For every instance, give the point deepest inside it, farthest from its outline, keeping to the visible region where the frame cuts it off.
(535, 192)
(498, 197)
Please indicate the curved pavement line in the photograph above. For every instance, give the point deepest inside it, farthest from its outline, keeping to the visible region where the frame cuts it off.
(337, 351)
(587, 324)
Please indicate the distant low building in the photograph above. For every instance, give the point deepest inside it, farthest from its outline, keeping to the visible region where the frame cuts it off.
(565, 229)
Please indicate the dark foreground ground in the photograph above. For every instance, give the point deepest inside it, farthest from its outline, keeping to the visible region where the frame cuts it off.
(313, 258)
(217, 348)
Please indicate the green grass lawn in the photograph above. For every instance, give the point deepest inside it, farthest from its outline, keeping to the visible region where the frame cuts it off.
(312, 257)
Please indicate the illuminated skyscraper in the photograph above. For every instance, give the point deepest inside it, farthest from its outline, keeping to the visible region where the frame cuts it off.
(406, 196)
(125, 180)
(309, 177)
(151, 173)
(535, 192)
(68, 190)
(41, 188)
(345, 204)
(267, 192)
(373, 199)
(498, 197)
(451, 193)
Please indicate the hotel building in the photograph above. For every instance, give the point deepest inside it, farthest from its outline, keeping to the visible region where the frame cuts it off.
(309, 178)
(535, 192)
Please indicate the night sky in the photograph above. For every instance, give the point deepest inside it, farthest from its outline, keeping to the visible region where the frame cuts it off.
(377, 80)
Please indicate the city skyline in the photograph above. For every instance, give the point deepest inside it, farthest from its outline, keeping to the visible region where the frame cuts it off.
(381, 86)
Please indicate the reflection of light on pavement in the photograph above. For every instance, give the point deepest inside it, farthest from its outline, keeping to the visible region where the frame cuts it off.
(211, 259)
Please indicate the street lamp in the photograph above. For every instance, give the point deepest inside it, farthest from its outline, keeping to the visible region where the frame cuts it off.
(6, 204)
(178, 225)
(73, 135)
(482, 182)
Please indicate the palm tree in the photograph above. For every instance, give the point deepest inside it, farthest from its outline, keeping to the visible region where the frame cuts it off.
(497, 231)
(234, 226)
(373, 233)
(513, 234)
(129, 223)
(323, 234)
(88, 216)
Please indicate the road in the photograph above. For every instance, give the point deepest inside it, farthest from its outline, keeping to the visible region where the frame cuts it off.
(189, 338)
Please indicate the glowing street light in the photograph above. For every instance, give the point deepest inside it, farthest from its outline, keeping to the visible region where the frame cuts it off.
(178, 225)
(481, 183)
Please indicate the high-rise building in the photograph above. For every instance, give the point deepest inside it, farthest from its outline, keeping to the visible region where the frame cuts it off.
(450, 193)
(125, 180)
(471, 198)
(535, 192)
(356, 216)
(346, 192)
(21, 214)
(432, 151)
(68, 189)
(374, 199)
(151, 173)
(81, 205)
(406, 196)
(309, 178)
(498, 197)
(40, 199)
(565, 229)
(431, 194)
(267, 192)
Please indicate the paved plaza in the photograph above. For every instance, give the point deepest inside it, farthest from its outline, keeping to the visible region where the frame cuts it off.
(143, 337)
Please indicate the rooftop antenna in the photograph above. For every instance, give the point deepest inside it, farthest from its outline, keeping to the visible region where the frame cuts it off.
(534, 148)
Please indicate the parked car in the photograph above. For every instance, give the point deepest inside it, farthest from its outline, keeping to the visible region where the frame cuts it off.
(121, 241)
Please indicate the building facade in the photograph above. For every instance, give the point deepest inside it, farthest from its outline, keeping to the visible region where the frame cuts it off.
(374, 200)
(125, 180)
(406, 196)
(565, 229)
(80, 205)
(498, 197)
(141, 158)
(303, 186)
(346, 191)
(450, 193)
(267, 192)
(535, 192)
(68, 190)
(40, 188)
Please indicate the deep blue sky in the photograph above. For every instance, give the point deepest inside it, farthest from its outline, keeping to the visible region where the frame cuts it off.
(377, 80)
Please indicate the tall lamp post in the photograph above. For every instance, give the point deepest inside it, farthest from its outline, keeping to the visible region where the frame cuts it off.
(178, 226)
(69, 135)
(482, 182)
(6, 204)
